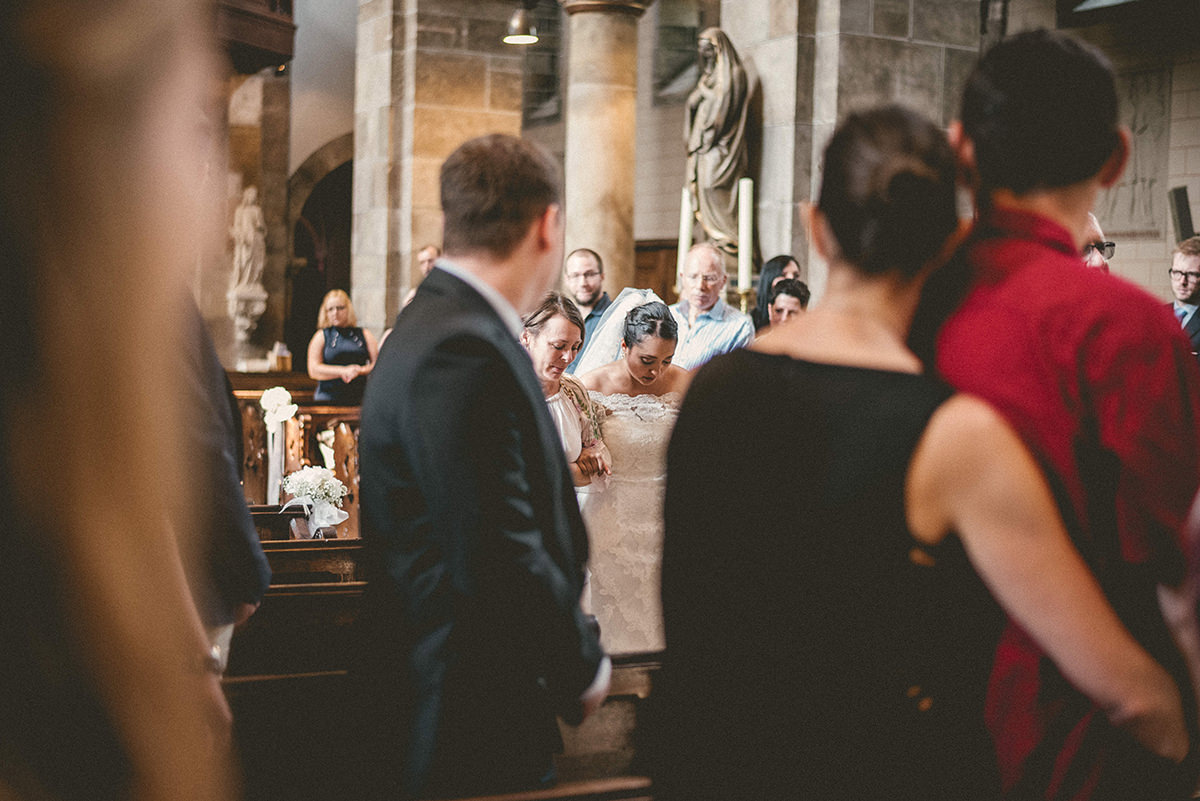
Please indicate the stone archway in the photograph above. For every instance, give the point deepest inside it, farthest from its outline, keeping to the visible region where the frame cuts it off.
(323, 161)
(329, 169)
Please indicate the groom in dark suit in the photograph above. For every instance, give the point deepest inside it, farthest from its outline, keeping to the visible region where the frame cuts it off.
(474, 635)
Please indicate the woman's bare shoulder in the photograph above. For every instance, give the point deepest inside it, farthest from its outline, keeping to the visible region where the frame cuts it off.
(599, 379)
(680, 379)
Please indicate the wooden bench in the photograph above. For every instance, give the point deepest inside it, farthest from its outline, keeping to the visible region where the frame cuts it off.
(301, 449)
(617, 787)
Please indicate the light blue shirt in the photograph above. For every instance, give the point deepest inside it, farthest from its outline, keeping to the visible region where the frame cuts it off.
(718, 330)
(1188, 308)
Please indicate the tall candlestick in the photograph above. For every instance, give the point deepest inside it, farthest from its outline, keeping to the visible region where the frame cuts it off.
(685, 228)
(745, 250)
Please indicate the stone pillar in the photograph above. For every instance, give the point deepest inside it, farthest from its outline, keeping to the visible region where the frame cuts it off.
(430, 75)
(601, 114)
(378, 129)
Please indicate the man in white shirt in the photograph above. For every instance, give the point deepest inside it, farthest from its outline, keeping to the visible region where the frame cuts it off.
(708, 326)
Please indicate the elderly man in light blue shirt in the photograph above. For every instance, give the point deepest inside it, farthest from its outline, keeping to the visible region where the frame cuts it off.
(708, 326)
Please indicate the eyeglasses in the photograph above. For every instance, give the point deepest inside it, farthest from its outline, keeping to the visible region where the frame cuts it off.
(707, 278)
(1107, 249)
(1181, 275)
(590, 275)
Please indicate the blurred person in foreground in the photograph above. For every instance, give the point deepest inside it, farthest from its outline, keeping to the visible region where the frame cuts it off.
(1097, 379)
(106, 687)
(836, 644)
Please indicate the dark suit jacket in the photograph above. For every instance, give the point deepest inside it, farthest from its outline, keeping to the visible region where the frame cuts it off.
(474, 635)
(1192, 329)
(232, 568)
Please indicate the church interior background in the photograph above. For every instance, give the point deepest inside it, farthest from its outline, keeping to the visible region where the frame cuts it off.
(344, 140)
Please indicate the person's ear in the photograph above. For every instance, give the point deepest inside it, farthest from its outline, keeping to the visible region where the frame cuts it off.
(819, 232)
(549, 227)
(525, 337)
(964, 154)
(1114, 166)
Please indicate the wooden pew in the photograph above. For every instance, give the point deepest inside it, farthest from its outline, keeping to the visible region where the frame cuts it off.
(301, 448)
(289, 687)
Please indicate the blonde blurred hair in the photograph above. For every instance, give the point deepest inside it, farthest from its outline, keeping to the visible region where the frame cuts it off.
(323, 318)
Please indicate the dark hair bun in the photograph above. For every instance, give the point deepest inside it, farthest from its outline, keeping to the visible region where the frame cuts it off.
(888, 190)
(649, 319)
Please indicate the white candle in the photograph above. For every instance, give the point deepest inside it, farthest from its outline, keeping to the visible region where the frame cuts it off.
(685, 228)
(745, 251)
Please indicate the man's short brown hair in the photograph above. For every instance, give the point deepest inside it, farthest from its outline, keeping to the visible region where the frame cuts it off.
(493, 188)
(1189, 246)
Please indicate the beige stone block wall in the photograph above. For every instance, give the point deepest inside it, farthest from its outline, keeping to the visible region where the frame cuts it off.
(1152, 47)
(660, 161)
(431, 75)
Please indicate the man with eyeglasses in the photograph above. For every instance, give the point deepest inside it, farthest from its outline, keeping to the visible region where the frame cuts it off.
(708, 326)
(1096, 251)
(583, 274)
(1185, 283)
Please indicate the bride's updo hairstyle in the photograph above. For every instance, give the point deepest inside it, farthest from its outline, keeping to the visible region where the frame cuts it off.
(888, 190)
(649, 319)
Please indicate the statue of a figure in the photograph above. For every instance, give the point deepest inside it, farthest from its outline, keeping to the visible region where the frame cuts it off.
(249, 241)
(716, 138)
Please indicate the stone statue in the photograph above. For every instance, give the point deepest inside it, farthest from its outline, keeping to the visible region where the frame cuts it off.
(716, 138)
(249, 241)
(247, 300)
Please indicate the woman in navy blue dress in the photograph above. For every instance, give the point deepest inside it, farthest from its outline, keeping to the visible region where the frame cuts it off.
(340, 354)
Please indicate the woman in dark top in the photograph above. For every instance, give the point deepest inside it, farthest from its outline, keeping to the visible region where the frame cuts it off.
(836, 644)
(340, 354)
(775, 270)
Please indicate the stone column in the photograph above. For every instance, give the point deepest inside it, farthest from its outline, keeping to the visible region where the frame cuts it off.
(601, 114)
(378, 137)
(430, 75)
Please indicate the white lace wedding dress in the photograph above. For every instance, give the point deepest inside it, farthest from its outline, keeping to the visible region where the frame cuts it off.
(625, 521)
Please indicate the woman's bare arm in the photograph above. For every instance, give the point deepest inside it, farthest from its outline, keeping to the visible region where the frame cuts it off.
(972, 475)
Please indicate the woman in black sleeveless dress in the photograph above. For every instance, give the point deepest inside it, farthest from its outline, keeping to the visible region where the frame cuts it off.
(836, 642)
(340, 354)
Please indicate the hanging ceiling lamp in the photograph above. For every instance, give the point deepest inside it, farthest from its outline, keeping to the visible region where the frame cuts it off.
(521, 28)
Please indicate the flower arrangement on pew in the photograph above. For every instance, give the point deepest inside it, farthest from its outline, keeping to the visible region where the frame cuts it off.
(320, 492)
(277, 408)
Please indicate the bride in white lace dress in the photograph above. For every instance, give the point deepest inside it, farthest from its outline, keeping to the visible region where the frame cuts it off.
(641, 391)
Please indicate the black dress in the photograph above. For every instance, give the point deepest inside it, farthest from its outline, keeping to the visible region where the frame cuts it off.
(343, 346)
(813, 649)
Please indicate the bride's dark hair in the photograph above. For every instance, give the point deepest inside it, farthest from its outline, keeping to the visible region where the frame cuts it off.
(888, 190)
(649, 319)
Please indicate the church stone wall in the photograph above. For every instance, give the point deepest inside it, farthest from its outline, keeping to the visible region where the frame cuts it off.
(431, 75)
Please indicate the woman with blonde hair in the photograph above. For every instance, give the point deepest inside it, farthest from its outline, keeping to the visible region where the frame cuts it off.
(340, 354)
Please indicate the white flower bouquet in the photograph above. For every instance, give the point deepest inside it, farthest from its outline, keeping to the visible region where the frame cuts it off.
(321, 494)
(277, 406)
